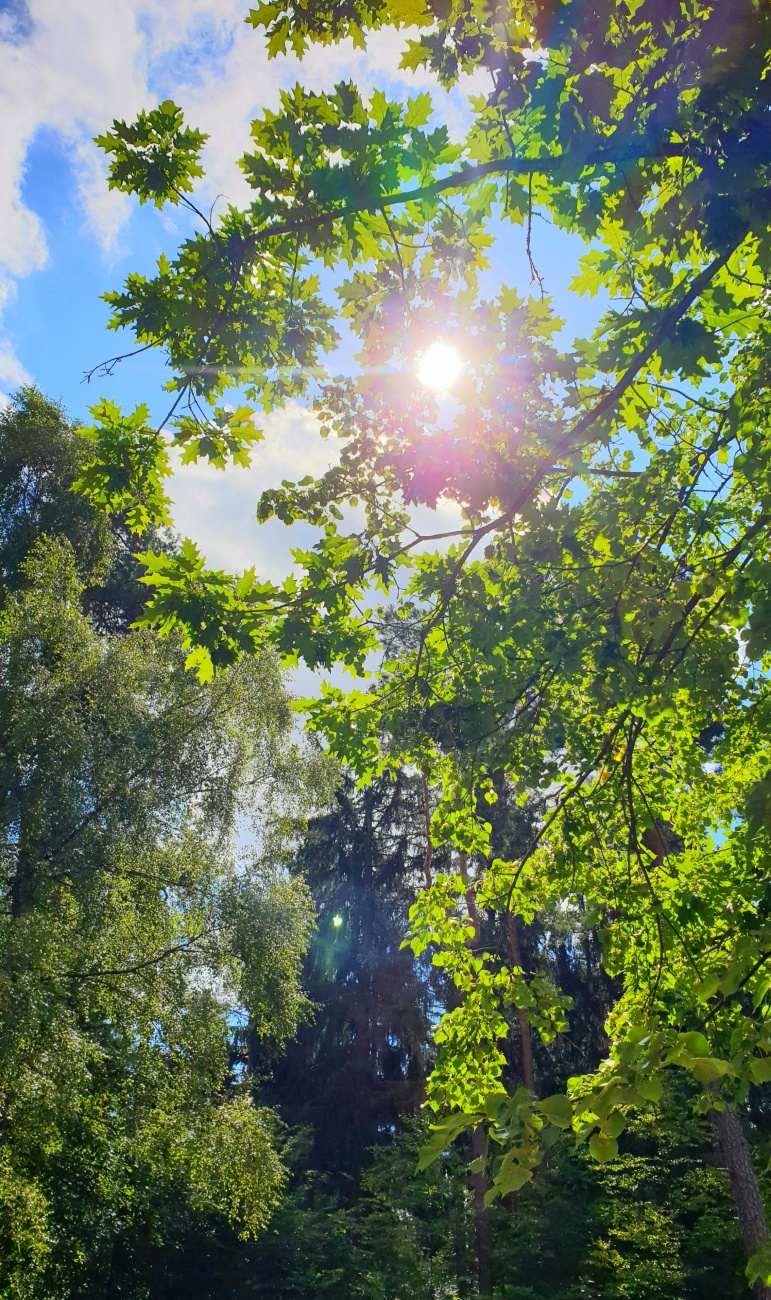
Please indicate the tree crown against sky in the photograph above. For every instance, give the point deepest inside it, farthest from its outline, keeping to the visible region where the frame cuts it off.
(598, 625)
(132, 938)
(322, 168)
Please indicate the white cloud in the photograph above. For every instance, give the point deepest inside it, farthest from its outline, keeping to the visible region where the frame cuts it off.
(73, 67)
(12, 372)
(217, 509)
(66, 69)
(106, 211)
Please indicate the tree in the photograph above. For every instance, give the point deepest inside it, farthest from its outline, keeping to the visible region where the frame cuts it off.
(130, 933)
(42, 454)
(593, 651)
(656, 1221)
(361, 1063)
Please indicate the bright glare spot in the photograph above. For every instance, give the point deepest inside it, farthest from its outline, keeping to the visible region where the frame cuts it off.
(439, 366)
(337, 921)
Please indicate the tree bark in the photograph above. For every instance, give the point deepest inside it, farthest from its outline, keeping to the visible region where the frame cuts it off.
(482, 1240)
(525, 1039)
(427, 817)
(21, 889)
(471, 902)
(734, 1153)
(479, 1182)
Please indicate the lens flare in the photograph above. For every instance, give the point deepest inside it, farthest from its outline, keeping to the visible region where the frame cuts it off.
(337, 921)
(439, 366)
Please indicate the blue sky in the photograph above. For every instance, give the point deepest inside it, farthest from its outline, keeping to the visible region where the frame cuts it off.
(66, 70)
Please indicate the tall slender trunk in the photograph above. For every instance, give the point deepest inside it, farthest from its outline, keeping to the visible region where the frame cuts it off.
(525, 1039)
(252, 1049)
(364, 1009)
(482, 1241)
(427, 817)
(479, 1182)
(21, 888)
(471, 901)
(734, 1152)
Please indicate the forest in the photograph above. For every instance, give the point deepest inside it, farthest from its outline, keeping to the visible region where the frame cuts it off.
(447, 975)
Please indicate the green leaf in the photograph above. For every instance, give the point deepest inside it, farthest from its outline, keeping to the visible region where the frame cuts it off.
(514, 1178)
(442, 1134)
(129, 464)
(650, 1089)
(758, 807)
(760, 1069)
(411, 13)
(695, 1043)
(708, 987)
(759, 1265)
(603, 1148)
(557, 1109)
(709, 1068)
(419, 110)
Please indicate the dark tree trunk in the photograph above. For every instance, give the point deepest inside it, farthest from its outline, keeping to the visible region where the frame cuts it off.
(479, 1179)
(427, 818)
(471, 900)
(22, 881)
(252, 1050)
(482, 1240)
(525, 1041)
(734, 1153)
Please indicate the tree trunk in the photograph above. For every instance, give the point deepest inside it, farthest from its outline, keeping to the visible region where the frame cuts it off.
(21, 889)
(482, 1241)
(471, 901)
(734, 1153)
(427, 817)
(525, 1040)
(478, 1180)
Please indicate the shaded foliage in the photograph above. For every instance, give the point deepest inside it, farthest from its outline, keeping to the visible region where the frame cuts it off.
(362, 1061)
(42, 454)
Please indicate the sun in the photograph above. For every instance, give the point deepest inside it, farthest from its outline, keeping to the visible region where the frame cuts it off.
(439, 366)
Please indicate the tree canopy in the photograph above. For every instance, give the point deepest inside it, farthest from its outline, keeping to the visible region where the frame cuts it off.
(597, 627)
(132, 939)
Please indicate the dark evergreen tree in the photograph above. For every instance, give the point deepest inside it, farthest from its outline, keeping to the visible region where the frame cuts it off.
(360, 1063)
